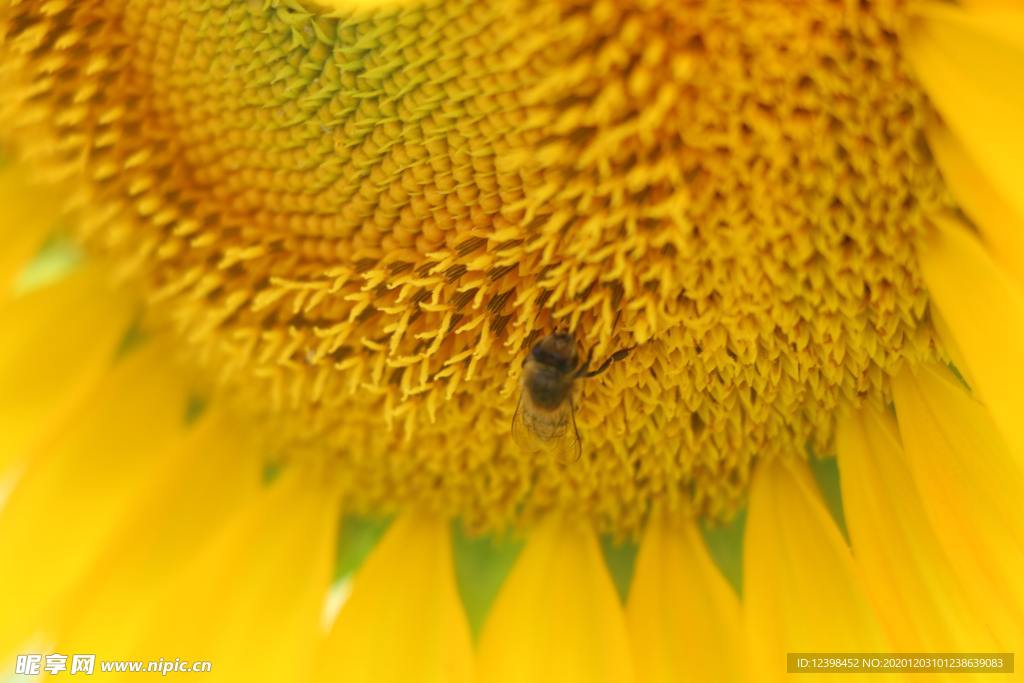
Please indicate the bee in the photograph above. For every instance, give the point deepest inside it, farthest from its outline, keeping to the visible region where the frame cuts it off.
(545, 417)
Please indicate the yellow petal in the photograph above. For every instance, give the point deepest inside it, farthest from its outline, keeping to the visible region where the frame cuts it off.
(76, 488)
(949, 344)
(216, 472)
(1001, 225)
(55, 344)
(683, 617)
(252, 600)
(557, 616)
(801, 591)
(984, 310)
(920, 599)
(971, 63)
(403, 620)
(28, 212)
(971, 488)
(991, 4)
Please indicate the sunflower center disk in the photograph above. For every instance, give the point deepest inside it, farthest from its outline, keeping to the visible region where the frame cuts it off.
(361, 224)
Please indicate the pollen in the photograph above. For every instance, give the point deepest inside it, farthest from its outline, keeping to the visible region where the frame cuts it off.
(359, 224)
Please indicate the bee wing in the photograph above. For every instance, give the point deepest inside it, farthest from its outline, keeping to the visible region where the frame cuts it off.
(568, 447)
(522, 433)
(541, 431)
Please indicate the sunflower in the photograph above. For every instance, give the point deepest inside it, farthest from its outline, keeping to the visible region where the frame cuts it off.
(270, 270)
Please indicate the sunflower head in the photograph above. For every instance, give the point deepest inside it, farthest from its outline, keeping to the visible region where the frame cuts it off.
(362, 223)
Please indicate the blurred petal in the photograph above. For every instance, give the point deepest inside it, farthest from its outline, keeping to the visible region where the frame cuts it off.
(683, 617)
(801, 591)
(80, 484)
(403, 620)
(251, 602)
(1000, 223)
(557, 617)
(971, 62)
(991, 4)
(215, 474)
(915, 591)
(971, 488)
(56, 342)
(28, 212)
(984, 310)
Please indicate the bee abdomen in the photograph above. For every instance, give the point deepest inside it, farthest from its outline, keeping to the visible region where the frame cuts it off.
(548, 390)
